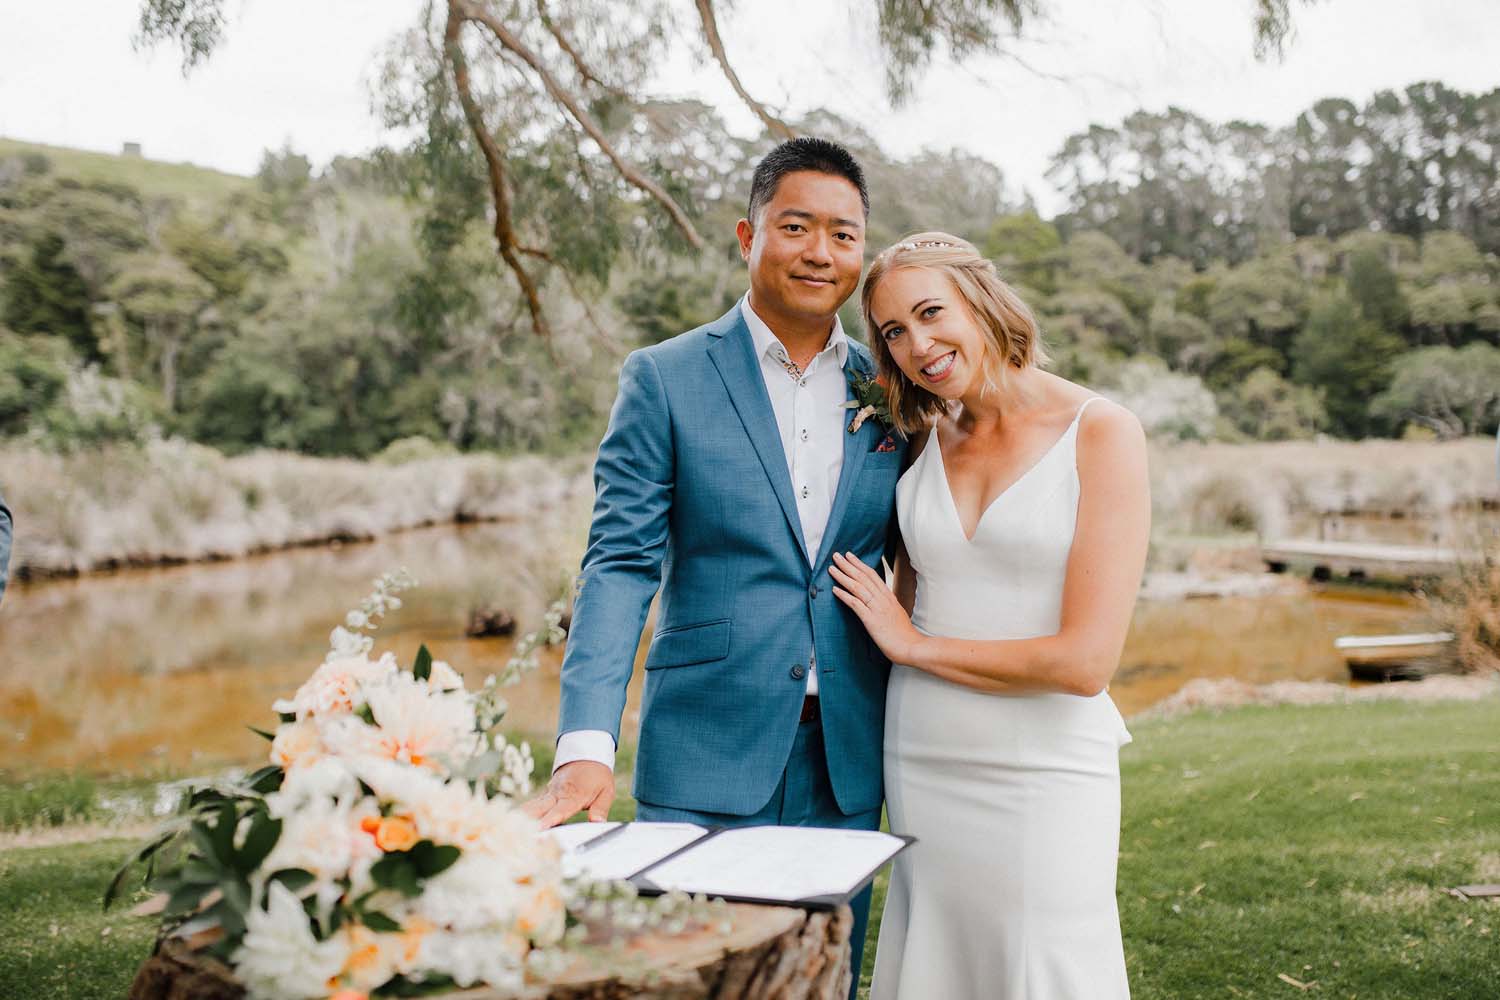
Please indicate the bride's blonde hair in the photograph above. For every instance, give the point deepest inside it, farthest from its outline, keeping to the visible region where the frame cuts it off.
(1012, 341)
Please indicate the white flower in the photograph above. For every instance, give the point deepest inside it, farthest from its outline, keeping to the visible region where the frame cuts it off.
(344, 644)
(474, 893)
(321, 836)
(295, 744)
(477, 957)
(356, 619)
(338, 686)
(420, 725)
(444, 677)
(279, 959)
(318, 781)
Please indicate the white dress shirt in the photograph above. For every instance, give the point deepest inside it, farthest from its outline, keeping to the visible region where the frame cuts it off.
(810, 416)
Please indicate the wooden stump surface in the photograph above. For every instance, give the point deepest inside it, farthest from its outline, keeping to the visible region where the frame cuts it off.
(770, 953)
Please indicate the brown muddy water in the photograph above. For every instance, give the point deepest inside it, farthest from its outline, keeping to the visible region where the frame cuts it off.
(163, 670)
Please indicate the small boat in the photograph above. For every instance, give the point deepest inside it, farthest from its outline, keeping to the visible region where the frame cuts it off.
(1395, 657)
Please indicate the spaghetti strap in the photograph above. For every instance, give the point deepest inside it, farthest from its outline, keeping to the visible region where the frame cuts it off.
(1079, 415)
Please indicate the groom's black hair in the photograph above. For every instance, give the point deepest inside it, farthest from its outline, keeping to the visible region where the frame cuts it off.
(804, 153)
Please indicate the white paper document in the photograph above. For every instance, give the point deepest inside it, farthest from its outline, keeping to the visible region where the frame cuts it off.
(777, 863)
(621, 853)
(572, 836)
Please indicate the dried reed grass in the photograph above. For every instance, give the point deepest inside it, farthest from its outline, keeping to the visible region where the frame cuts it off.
(173, 501)
(1217, 488)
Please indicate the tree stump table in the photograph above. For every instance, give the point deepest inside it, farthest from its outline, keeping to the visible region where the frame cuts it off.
(769, 953)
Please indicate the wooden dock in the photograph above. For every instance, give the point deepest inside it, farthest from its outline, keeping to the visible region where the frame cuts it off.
(1396, 657)
(1358, 559)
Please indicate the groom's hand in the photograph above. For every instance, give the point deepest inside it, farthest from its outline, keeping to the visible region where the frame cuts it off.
(577, 785)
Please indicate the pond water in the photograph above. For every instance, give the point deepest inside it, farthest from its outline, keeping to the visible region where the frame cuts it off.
(163, 669)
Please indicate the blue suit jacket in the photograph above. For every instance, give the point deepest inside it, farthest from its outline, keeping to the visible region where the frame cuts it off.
(694, 497)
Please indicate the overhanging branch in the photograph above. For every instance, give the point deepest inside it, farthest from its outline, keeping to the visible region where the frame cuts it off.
(512, 43)
(505, 235)
(716, 45)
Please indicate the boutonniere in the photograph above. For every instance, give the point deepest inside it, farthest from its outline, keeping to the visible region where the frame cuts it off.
(870, 400)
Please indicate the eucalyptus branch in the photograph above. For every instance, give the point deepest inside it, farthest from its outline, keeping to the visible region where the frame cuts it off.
(465, 10)
(505, 235)
(716, 44)
(584, 71)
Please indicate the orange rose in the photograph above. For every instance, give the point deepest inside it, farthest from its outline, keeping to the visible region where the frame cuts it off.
(396, 833)
(349, 995)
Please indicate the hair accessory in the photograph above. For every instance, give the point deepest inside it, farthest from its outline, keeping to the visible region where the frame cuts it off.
(921, 244)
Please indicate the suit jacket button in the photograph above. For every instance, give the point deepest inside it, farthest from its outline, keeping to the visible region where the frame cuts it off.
(812, 591)
(798, 671)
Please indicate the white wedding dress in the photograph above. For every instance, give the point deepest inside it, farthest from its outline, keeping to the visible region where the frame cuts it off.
(1009, 893)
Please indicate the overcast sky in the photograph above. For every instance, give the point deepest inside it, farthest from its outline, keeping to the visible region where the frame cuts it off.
(298, 72)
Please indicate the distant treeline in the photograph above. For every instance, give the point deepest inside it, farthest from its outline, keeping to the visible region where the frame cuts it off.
(1227, 281)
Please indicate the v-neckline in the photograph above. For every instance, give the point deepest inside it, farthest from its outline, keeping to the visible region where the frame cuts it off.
(937, 443)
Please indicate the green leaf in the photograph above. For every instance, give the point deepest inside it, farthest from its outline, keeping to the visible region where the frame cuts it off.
(185, 899)
(236, 894)
(260, 838)
(287, 716)
(295, 879)
(422, 668)
(366, 713)
(400, 986)
(379, 922)
(112, 891)
(223, 833)
(268, 779)
(261, 732)
(429, 859)
(396, 872)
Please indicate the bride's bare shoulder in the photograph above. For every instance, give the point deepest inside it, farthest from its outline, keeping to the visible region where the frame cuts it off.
(1107, 428)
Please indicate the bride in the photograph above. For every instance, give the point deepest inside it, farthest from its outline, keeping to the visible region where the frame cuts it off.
(1024, 521)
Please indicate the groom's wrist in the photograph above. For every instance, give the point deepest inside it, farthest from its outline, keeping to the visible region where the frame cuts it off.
(585, 744)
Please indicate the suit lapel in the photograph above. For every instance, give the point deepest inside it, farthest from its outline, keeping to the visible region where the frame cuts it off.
(856, 447)
(733, 354)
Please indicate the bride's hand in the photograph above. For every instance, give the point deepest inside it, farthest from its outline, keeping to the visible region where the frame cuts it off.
(865, 592)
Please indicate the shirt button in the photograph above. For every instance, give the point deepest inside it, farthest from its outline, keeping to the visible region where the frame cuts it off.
(798, 671)
(806, 492)
(804, 433)
(802, 382)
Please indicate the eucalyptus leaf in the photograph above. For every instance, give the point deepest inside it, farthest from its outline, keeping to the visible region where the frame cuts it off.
(422, 668)
(260, 838)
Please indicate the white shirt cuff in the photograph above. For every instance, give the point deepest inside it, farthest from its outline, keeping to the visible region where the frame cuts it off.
(585, 744)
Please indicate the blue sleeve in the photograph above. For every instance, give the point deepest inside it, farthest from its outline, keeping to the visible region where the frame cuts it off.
(633, 483)
(5, 532)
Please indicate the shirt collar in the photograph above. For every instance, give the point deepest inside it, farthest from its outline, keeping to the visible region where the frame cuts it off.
(767, 342)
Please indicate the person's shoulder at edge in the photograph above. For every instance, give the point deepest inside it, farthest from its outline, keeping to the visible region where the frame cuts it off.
(689, 342)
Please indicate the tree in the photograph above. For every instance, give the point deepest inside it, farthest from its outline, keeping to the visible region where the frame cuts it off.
(170, 303)
(1347, 358)
(1168, 404)
(1026, 250)
(1454, 392)
(1266, 407)
(563, 84)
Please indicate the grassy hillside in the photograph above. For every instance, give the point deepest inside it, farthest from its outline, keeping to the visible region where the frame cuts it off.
(153, 178)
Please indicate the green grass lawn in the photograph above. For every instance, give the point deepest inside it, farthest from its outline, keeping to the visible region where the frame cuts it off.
(1313, 843)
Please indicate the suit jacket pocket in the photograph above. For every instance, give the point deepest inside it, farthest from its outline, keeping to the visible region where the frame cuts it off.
(687, 644)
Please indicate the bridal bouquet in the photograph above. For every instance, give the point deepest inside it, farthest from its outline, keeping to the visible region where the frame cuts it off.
(381, 852)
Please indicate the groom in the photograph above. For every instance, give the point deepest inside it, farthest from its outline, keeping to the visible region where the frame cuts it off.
(728, 478)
